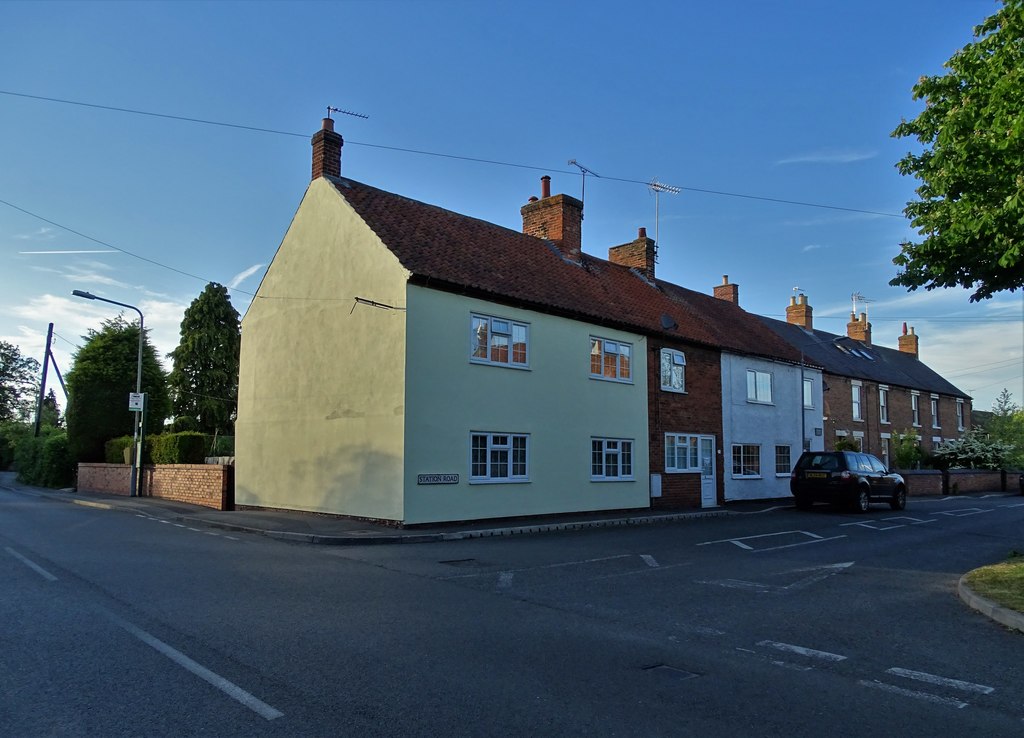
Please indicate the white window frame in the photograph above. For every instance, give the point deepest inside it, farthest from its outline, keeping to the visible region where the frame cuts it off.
(789, 459)
(886, 448)
(960, 415)
(612, 451)
(754, 388)
(808, 393)
(883, 403)
(857, 400)
(494, 444)
(915, 409)
(744, 448)
(497, 326)
(688, 444)
(605, 347)
(673, 359)
(936, 420)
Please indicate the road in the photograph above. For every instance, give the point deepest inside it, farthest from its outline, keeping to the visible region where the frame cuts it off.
(768, 624)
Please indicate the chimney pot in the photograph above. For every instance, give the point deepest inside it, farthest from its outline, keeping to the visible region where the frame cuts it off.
(545, 186)
(641, 232)
(327, 124)
(800, 313)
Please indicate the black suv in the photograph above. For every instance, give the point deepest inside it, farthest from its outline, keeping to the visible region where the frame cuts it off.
(848, 477)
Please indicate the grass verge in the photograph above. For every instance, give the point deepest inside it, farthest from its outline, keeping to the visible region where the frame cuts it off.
(1002, 583)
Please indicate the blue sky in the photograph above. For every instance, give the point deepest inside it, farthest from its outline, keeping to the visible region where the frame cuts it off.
(789, 100)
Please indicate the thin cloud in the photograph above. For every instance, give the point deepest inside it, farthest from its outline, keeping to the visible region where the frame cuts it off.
(43, 234)
(811, 247)
(828, 157)
(244, 275)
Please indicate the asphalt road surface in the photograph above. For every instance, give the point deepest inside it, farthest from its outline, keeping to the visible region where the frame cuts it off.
(780, 623)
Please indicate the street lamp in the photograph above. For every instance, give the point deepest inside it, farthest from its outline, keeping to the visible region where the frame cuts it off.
(136, 435)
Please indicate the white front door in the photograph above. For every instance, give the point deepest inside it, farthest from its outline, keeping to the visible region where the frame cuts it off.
(708, 486)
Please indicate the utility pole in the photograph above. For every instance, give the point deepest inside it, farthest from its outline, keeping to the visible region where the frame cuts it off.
(42, 383)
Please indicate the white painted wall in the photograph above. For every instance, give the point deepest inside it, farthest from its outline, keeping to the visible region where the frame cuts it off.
(322, 380)
(765, 425)
(555, 401)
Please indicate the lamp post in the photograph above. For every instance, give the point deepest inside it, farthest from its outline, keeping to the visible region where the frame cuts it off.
(136, 431)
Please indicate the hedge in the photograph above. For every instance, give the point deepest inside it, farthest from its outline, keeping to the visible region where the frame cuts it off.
(45, 461)
(187, 447)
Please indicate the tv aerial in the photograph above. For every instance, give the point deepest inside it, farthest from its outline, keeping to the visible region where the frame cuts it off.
(585, 172)
(657, 188)
(332, 109)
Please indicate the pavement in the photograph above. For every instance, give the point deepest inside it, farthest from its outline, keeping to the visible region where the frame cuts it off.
(303, 527)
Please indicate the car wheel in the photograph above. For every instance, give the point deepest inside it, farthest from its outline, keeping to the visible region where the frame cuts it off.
(803, 502)
(862, 501)
(899, 499)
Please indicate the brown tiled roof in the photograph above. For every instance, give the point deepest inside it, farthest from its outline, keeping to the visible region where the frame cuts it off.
(450, 251)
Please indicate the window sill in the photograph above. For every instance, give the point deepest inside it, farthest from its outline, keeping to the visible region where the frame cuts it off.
(484, 362)
(682, 471)
(736, 477)
(612, 479)
(673, 390)
(613, 380)
(759, 402)
(499, 481)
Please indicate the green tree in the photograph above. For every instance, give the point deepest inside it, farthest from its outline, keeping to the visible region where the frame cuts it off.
(906, 452)
(1006, 425)
(970, 210)
(50, 417)
(99, 383)
(19, 383)
(975, 449)
(204, 381)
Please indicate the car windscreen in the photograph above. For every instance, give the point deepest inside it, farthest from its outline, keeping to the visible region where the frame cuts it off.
(822, 462)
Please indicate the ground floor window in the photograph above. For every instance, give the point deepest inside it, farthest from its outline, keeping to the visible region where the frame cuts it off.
(611, 459)
(783, 460)
(746, 460)
(681, 453)
(499, 457)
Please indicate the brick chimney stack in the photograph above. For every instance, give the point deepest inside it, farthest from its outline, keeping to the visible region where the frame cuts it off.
(327, 151)
(800, 313)
(728, 292)
(908, 342)
(639, 254)
(557, 218)
(859, 329)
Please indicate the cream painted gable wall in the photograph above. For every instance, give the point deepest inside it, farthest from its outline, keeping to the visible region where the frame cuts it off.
(554, 401)
(321, 400)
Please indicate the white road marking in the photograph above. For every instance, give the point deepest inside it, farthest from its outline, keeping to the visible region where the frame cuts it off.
(794, 667)
(230, 538)
(941, 681)
(546, 566)
(178, 525)
(140, 515)
(637, 571)
(767, 509)
(32, 565)
(802, 543)
(229, 688)
(649, 560)
(1019, 504)
(913, 521)
(911, 693)
(195, 530)
(809, 652)
(736, 543)
(963, 513)
(211, 533)
(505, 579)
(871, 526)
(165, 522)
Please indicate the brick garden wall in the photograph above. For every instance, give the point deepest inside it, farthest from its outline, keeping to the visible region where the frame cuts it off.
(209, 485)
(925, 482)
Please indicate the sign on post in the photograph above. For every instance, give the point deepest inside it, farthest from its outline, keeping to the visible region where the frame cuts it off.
(136, 401)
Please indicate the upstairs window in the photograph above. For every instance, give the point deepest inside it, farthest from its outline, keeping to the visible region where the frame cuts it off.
(959, 414)
(673, 370)
(856, 391)
(935, 412)
(759, 386)
(915, 408)
(612, 360)
(611, 459)
(883, 404)
(809, 394)
(499, 341)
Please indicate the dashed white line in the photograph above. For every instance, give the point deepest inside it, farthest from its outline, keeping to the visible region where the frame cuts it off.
(922, 676)
(794, 667)
(195, 530)
(31, 565)
(809, 652)
(229, 688)
(649, 560)
(926, 696)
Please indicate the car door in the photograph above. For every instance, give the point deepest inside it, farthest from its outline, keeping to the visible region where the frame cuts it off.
(881, 480)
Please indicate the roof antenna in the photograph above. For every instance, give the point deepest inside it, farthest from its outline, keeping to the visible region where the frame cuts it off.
(657, 188)
(332, 109)
(585, 171)
(858, 297)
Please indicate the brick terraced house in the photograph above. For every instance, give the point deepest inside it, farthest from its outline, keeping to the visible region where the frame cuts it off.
(872, 392)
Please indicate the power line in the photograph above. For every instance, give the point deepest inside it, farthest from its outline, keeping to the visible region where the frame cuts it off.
(494, 162)
(115, 248)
